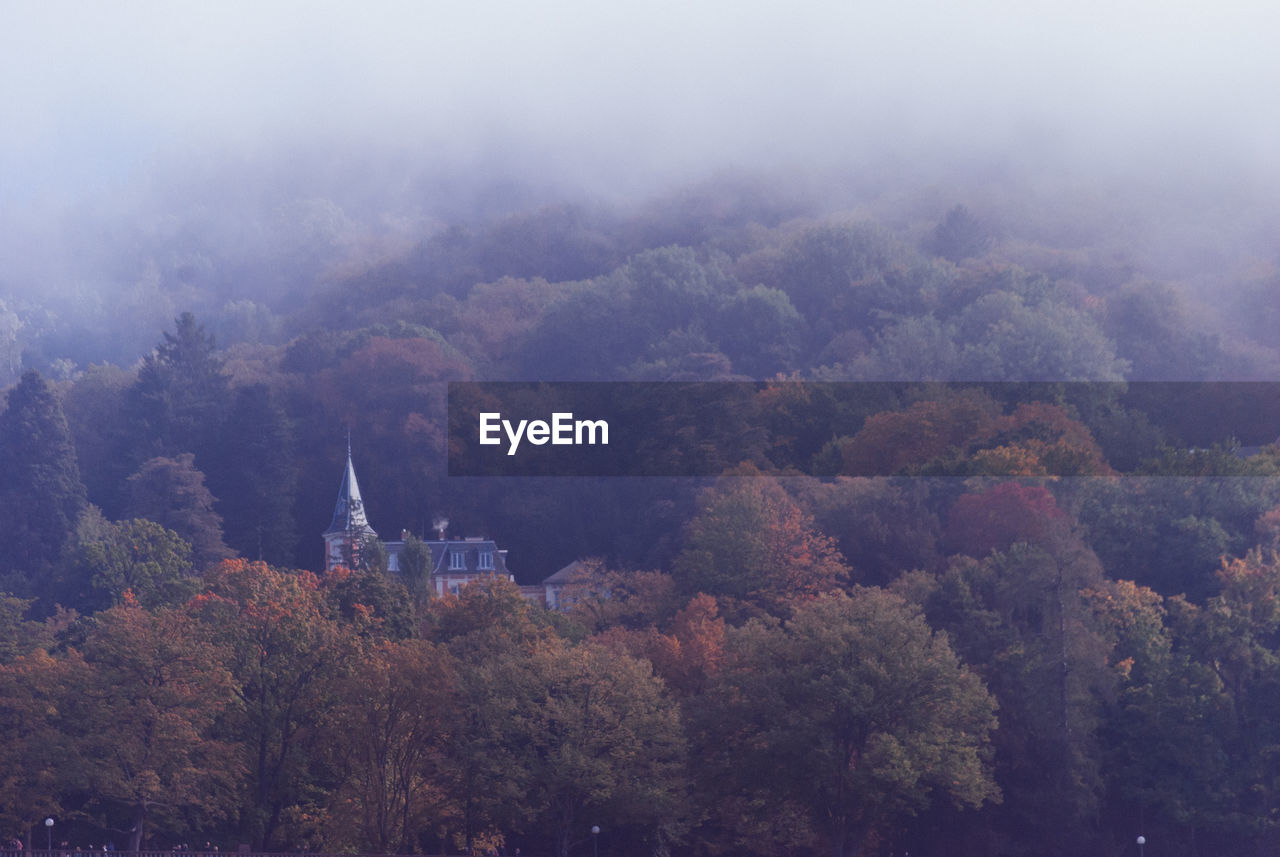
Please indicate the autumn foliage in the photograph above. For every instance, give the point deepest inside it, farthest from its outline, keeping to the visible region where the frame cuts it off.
(756, 550)
(1003, 514)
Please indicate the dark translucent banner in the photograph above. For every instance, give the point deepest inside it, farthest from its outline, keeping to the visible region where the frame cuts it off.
(863, 429)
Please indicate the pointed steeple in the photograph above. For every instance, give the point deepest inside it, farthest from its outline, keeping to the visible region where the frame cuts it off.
(348, 514)
(346, 536)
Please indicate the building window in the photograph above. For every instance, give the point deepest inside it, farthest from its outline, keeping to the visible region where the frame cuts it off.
(486, 561)
(457, 562)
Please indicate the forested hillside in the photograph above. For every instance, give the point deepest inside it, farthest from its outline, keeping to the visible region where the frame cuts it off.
(1003, 647)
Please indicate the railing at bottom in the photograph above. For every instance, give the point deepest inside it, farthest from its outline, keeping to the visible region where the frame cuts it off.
(84, 852)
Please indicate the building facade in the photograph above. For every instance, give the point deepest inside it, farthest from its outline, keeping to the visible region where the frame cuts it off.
(452, 563)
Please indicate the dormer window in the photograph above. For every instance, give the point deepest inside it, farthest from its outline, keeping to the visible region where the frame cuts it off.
(486, 561)
(457, 562)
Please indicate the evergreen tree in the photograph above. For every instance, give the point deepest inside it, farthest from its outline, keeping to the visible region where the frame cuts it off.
(960, 235)
(256, 478)
(40, 490)
(415, 567)
(181, 396)
(171, 492)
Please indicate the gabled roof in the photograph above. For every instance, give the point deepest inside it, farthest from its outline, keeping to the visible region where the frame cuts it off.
(565, 575)
(348, 514)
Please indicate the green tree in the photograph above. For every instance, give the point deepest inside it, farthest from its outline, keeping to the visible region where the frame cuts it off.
(756, 551)
(919, 348)
(18, 635)
(1154, 328)
(759, 330)
(1234, 636)
(180, 400)
(1019, 617)
(415, 567)
(371, 601)
(256, 478)
(565, 731)
(171, 492)
(596, 328)
(95, 408)
(10, 345)
(1171, 534)
(668, 287)
(960, 235)
(40, 490)
(1166, 730)
(1007, 337)
(833, 270)
(888, 524)
(839, 724)
(138, 559)
(584, 335)
(486, 622)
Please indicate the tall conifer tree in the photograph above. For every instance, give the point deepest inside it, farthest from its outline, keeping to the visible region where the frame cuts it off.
(41, 494)
(181, 397)
(255, 478)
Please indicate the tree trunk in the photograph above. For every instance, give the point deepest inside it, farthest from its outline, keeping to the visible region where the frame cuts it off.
(847, 839)
(135, 835)
(564, 832)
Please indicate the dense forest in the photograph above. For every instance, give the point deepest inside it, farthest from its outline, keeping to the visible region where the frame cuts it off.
(1045, 626)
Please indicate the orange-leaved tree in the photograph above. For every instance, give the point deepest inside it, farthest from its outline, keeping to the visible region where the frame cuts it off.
(287, 655)
(396, 712)
(139, 709)
(756, 551)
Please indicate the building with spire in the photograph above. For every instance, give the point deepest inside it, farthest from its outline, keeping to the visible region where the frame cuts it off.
(349, 530)
(453, 563)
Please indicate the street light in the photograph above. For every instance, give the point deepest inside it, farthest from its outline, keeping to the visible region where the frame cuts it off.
(48, 834)
(1142, 840)
(595, 840)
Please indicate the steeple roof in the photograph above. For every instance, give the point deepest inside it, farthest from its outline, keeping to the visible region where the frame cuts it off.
(348, 514)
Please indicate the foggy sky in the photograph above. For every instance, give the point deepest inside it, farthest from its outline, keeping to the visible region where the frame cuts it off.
(99, 100)
(91, 91)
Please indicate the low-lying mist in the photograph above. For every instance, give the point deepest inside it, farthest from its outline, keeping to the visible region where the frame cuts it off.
(239, 161)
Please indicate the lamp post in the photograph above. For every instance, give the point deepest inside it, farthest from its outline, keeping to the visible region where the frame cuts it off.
(1142, 840)
(595, 840)
(48, 834)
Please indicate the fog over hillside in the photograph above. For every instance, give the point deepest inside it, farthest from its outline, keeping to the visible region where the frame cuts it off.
(156, 157)
(248, 249)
